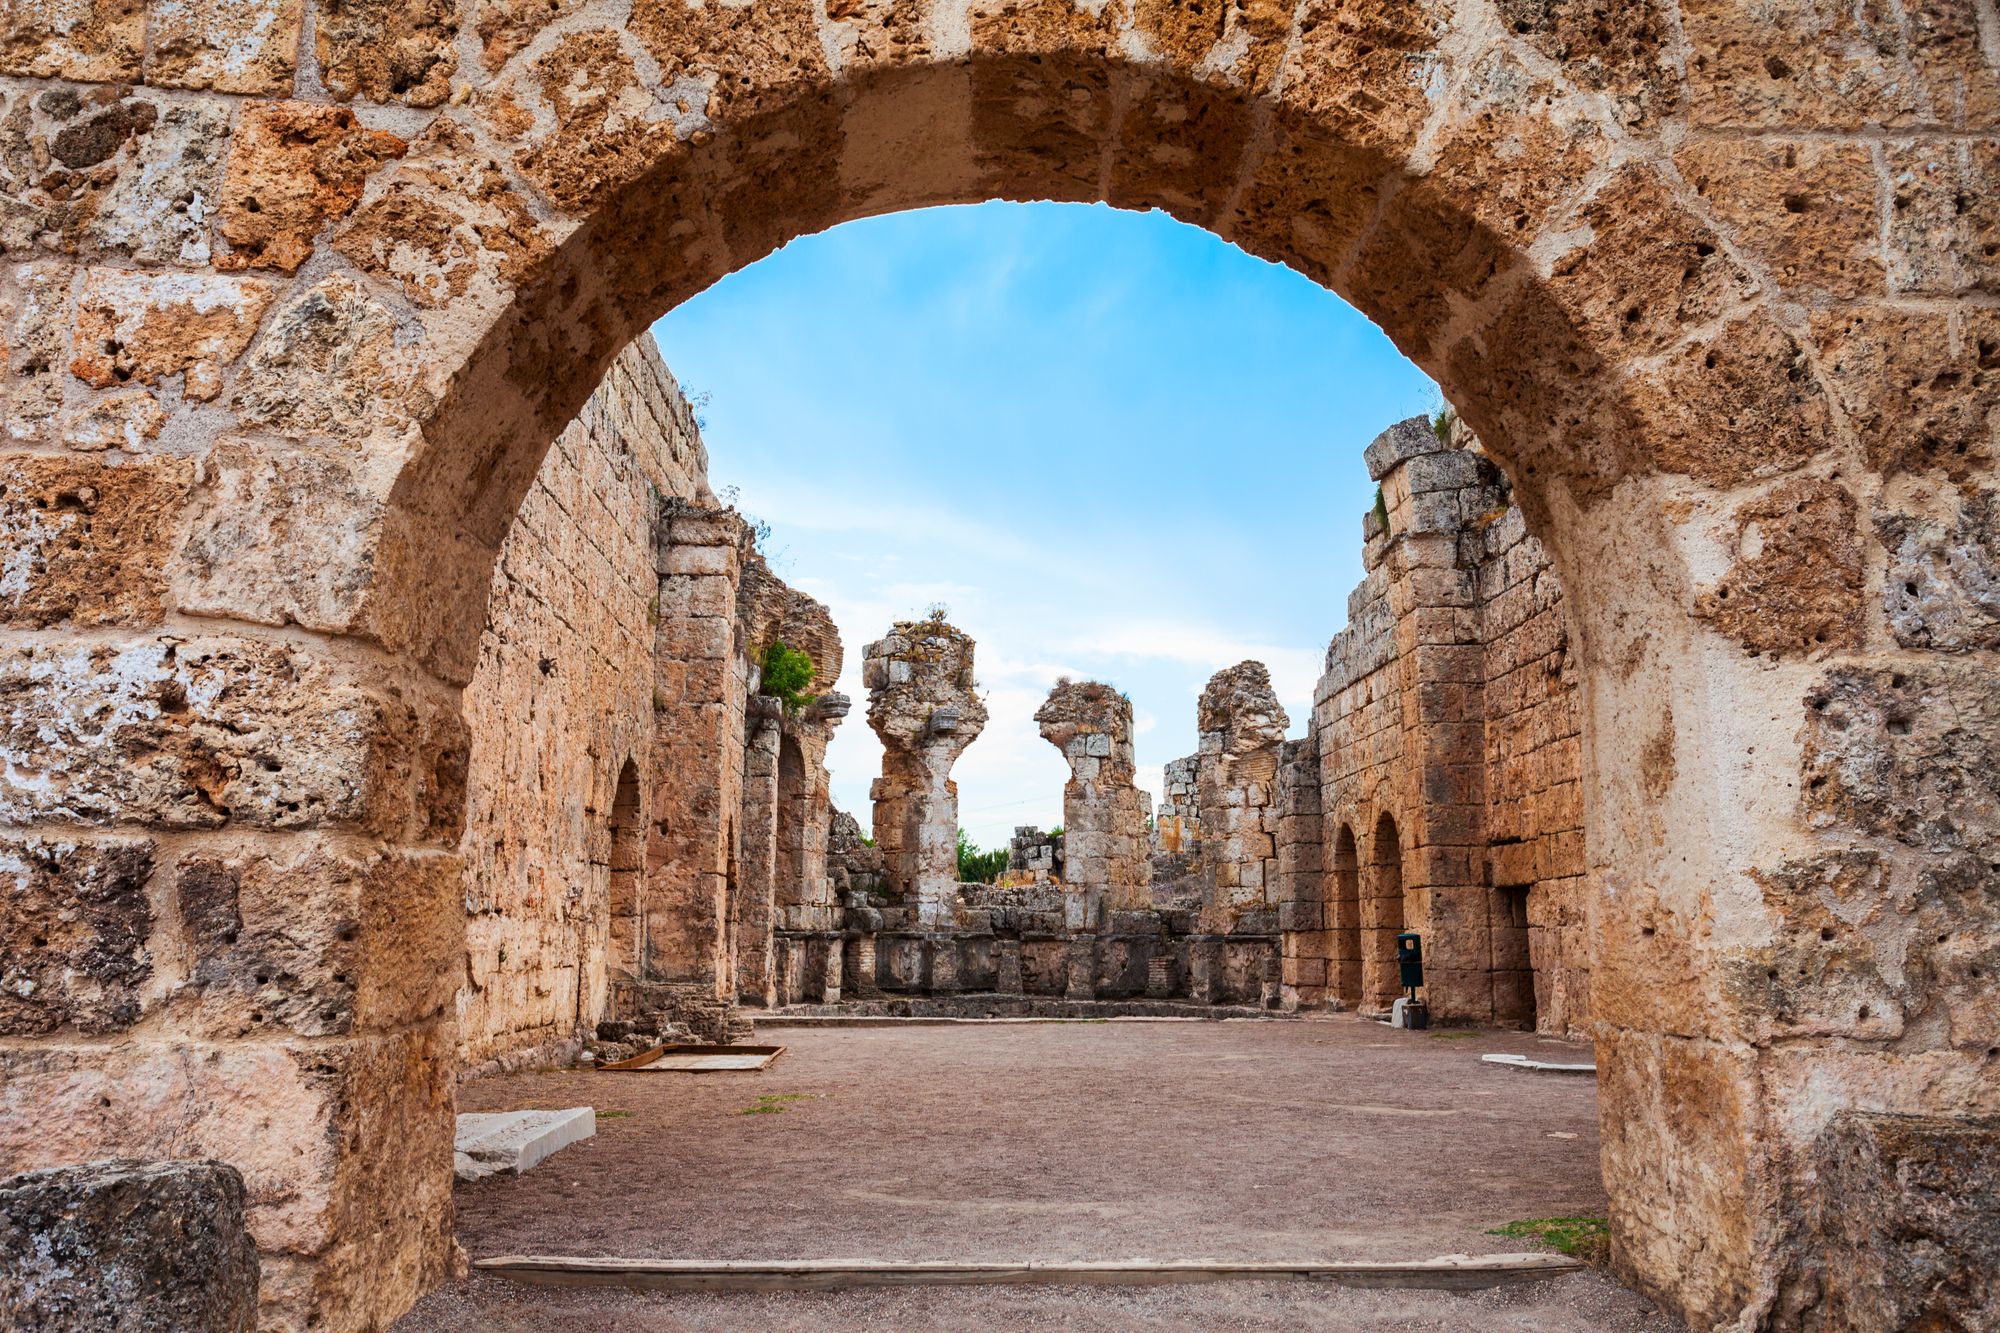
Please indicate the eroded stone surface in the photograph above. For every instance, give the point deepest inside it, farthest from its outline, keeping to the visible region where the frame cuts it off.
(292, 167)
(1796, 586)
(923, 703)
(76, 929)
(85, 541)
(119, 1244)
(235, 46)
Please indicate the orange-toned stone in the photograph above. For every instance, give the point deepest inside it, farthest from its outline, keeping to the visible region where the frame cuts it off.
(1743, 403)
(1797, 584)
(388, 50)
(1920, 388)
(146, 327)
(1807, 209)
(87, 541)
(90, 41)
(292, 168)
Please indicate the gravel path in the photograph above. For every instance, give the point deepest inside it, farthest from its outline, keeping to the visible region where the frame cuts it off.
(1317, 1139)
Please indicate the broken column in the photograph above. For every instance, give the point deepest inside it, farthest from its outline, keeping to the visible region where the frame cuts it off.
(1242, 727)
(1105, 852)
(921, 703)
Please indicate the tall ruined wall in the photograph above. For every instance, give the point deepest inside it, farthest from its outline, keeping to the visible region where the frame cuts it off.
(1448, 735)
(561, 703)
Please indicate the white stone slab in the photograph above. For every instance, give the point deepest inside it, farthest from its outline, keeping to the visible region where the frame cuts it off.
(516, 1141)
(1544, 1066)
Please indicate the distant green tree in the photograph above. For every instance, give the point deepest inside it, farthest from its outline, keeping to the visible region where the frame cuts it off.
(786, 674)
(976, 866)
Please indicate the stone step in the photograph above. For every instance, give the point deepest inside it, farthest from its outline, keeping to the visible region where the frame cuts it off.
(515, 1141)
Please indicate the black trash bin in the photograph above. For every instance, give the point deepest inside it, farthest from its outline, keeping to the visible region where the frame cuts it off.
(1410, 959)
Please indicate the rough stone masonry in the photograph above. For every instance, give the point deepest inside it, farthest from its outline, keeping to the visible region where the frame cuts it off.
(296, 295)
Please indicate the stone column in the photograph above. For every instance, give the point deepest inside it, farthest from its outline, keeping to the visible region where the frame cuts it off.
(921, 703)
(757, 856)
(1242, 726)
(1302, 917)
(805, 816)
(696, 769)
(1105, 864)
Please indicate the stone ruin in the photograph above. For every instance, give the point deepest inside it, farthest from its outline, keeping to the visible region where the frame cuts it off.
(299, 299)
(923, 703)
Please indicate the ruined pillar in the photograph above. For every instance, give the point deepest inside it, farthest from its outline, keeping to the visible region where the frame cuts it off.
(805, 898)
(757, 852)
(697, 758)
(1242, 726)
(921, 703)
(1302, 900)
(1105, 864)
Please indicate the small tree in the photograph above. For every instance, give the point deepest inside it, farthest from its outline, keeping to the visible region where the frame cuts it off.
(786, 672)
(976, 866)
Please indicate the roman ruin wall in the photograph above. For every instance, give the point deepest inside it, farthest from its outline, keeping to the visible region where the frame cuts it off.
(296, 296)
(1448, 732)
(560, 709)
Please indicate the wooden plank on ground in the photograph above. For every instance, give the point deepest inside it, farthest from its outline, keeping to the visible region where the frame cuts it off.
(1448, 1273)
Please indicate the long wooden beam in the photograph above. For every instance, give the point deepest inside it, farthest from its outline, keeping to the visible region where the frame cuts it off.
(1447, 1273)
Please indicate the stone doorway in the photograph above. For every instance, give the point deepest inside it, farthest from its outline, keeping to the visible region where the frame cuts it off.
(1751, 419)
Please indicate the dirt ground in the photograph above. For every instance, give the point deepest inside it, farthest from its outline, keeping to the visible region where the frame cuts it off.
(1317, 1139)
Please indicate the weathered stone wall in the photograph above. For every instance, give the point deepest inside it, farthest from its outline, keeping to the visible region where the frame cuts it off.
(289, 325)
(559, 708)
(1448, 732)
(1105, 865)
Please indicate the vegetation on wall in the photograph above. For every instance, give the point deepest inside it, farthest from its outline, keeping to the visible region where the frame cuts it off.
(786, 672)
(976, 866)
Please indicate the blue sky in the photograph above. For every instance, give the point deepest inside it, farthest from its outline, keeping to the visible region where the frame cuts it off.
(1115, 446)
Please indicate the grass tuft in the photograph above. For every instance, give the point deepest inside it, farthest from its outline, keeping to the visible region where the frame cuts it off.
(775, 1103)
(1578, 1237)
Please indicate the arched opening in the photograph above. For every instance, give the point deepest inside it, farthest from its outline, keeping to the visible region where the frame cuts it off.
(1727, 433)
(1385, 916)
(626, 949)
(1344, 925)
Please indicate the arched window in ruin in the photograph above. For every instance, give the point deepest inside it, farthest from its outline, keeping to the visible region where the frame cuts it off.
(1384, 916)
(627, 901)
(794, 814)
(1344, 919)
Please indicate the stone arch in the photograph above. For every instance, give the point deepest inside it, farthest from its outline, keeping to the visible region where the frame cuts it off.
(1628, 252)
(1384, 913)
(1344, 919)
(627, 850)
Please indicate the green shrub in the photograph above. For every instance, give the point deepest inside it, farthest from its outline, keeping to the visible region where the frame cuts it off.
(1579, 1237)
(976, 866)
(786, 674)
(1443, 422)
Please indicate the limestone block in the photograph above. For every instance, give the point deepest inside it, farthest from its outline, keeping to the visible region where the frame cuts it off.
(75, 934)
(148, 326)
(196, 733)
(1919, 397)
(330, 364)
(1943, 217)
(386, 51)
(91, 41)
(88, 540)
(125, 421)
(1407, 439)
(1904, 754)
(293, 167)
(234, 46)
(1907, 1221)
(1942, 587)
(157, 206)
(248, 493)
(1808, 207)
(513, 1142)
(117, 1245)
(316, 940)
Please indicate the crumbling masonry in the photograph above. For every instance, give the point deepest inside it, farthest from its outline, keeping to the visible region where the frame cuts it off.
(290, 328)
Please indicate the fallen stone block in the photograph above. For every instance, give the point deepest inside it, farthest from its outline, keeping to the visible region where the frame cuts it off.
(123, 1245)
(516, 1141)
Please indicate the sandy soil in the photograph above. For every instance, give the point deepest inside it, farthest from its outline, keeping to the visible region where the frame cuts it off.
(1321, 1139)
